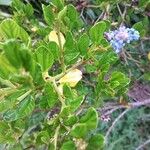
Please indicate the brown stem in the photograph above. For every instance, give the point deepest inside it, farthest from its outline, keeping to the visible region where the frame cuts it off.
(113, 124)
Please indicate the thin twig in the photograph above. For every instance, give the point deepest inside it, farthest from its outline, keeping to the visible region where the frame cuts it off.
(57, 77)
(93, 6)
(143, 145)
(56, 137)
(128, 105)
(100, 17)
(58, 93)
(82, 16)
(138, 104)
(113, 124)
(24, 95)
(110, 108)
(121, 14)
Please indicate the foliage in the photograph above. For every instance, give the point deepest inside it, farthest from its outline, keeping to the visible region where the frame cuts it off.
(44, 103)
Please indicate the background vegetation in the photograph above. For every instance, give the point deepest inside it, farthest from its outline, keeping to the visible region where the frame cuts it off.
(107, 109)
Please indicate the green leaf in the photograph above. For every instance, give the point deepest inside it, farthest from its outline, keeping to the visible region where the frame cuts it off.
(36, 73)
(108, 57)
(59, 4)
(104, 43)
(119, 82)
(48, 14)
(90, 68)
(44, 57)
(62, 13)
(54, 49)
(75, 103)
(49, 96)
(17, 5)
(36, 118)
(12, 53)
(97, 31)
(87, 122)
(43, 137)
(71, 56)
(6, 134)
(28, 10)
(83, 44)
(69, 145)
(67, 91)
(71, 120)
(9, 29)
(96, 142)
(71, 12)
(65, 112)
(23, 109)
(146, 76)
(108, 24)
(90, 118)
(70, 43)
(10, 99)
(6, 69)
(26, 58)
(139, 27)
(10, 115)
(23, 9)
(79, 130)
(69, 16)
(143, 3)
(3, 127)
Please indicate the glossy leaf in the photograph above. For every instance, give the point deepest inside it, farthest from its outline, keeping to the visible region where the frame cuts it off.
(24, 108)
(48, 14)
(9, 29)
(79, 130)
(139, 27)
(90, 118)
(59, 4)
(75, 103)
(6, 68)
(26, 58)
(97, 31)
(96, 142)
(44, 57)
(49, 96)
(70, 43)
(11, 98)
(69, 145)
(6, 134)
(83, 44)
(36, 73)
(54, 49)
(70, 120)
(12, 52)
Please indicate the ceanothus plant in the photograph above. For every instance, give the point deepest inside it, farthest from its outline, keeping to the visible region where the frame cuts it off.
(53, 78)
(118, 38)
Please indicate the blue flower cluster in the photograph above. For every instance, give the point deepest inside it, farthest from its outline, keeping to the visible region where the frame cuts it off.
(118, 38)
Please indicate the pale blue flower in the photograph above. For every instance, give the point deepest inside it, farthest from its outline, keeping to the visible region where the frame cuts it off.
(120, 37)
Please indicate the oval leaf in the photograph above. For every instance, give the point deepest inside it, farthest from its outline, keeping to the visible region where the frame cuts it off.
(44, 57)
